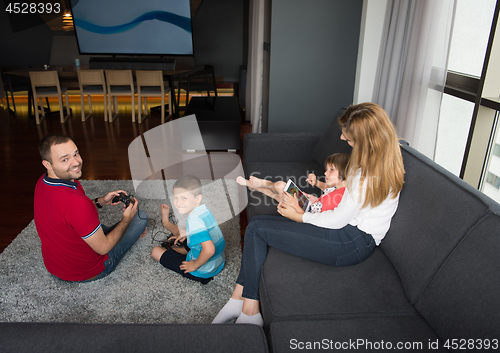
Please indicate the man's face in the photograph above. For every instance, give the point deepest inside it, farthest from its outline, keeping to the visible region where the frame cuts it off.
(66, 162)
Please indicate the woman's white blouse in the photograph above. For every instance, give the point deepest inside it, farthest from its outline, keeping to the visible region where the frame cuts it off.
(372, 220)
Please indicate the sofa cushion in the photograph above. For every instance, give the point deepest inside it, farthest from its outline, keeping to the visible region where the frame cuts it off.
(374, 334)
(436, 210)
(462, 299)
(70, 337)
(293, 288)
(330, 141)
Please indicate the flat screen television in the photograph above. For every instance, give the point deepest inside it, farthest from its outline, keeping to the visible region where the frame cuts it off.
(133, 27)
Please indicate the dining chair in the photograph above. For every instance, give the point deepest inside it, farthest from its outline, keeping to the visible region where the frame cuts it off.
(150, 84)
(13, 83)
(46, 84)
(198, 80)
(119, 83)
(92, 82)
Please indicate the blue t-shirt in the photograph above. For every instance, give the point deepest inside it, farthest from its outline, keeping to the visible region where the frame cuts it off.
(200, 227)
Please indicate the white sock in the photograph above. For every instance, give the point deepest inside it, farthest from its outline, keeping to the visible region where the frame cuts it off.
(230, 311)
(254, 319)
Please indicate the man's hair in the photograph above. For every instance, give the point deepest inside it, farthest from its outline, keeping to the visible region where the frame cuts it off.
(47, 142)
(189, 183)
(340, 161)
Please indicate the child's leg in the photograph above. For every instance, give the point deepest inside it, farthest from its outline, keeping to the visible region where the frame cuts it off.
(264, 186)
(279, 186)
(173, 260)
(157, 252)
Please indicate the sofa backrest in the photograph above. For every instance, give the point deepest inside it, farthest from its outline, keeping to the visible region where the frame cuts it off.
(461, 301)
(436, 212)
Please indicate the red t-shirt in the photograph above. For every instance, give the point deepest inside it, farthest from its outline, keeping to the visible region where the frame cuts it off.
(331, 200)
(64, 217)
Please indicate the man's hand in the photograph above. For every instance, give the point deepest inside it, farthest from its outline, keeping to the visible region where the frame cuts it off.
(130, 211)
(108, 198)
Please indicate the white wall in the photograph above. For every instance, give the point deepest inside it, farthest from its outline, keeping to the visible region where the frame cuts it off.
(372, 25)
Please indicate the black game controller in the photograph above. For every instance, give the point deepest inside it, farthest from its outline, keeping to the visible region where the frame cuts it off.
(126, 199)
(169, 243)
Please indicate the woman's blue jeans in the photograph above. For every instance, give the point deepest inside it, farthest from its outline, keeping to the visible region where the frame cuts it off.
(337, 247)
(133, 232)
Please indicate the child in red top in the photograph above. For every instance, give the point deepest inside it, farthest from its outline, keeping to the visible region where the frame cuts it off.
(333, 187)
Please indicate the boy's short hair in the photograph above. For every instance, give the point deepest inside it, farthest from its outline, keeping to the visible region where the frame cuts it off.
(45, 145)
(340, 161)
(189, 183)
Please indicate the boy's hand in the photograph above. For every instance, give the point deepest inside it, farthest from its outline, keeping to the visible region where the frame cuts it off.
(311, 179)
(188, 266)
(182, 236)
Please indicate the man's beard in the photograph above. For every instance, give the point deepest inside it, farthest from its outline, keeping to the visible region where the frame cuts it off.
(68, 175)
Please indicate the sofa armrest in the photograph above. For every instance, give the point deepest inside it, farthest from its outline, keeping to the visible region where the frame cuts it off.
(279, 147)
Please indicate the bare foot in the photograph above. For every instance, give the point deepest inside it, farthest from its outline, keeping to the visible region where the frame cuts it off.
(259, 183)
(144, 233)
(165, 212)
(242, 181)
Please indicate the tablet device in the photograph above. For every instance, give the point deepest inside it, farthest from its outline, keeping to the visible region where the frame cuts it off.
(293, 189)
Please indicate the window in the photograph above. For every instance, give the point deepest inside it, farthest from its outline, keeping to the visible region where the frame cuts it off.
(467, 144)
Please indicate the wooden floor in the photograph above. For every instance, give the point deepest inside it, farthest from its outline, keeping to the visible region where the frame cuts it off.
(103, 146)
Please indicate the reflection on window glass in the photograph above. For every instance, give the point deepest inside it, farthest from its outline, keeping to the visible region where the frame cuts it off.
(470, 35)
(493, 180)
(496, 150)
(491, 186)
(453, 130)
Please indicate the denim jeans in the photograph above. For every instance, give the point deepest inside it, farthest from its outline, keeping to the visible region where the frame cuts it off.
(337, 247)
(133, 232)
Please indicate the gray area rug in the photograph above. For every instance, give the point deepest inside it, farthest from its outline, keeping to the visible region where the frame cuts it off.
(140, 290)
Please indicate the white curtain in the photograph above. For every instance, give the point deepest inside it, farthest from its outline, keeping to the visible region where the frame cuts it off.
(412, 67)
(255, 69)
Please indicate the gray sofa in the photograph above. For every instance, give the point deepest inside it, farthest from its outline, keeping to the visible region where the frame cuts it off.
(140, 338)
(432, 285)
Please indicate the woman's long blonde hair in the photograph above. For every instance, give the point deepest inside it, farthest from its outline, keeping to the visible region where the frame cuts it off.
(376, 151)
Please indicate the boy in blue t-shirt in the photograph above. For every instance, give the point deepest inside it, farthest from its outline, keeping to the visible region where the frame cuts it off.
(202, 255)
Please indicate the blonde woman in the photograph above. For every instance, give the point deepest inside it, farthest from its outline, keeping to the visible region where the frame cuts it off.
(344, 236)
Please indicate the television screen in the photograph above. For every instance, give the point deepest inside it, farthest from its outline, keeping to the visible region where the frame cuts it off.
(133, 27)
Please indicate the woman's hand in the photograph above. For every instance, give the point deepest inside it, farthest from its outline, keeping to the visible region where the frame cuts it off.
(292, 201)
(289, 212)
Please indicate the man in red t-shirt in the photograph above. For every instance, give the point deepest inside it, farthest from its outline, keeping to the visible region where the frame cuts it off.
(75, 245)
